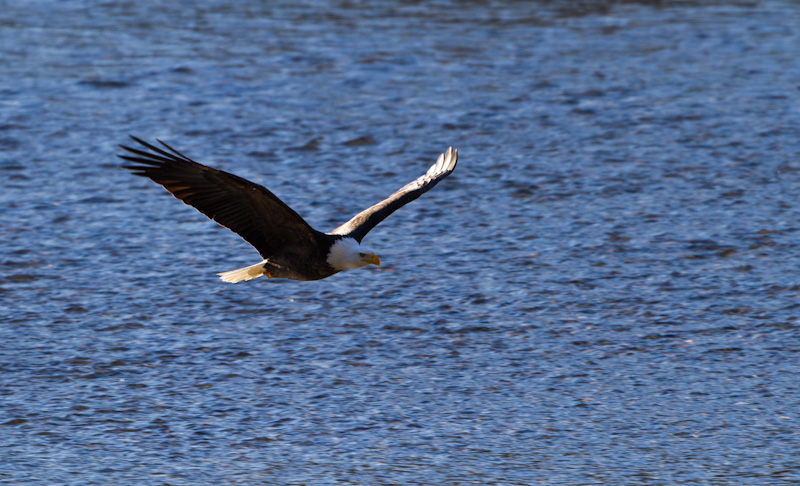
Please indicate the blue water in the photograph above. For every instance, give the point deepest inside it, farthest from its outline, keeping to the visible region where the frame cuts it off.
(604, 292)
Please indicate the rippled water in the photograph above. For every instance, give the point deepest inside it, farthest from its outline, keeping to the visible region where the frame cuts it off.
(604, 292)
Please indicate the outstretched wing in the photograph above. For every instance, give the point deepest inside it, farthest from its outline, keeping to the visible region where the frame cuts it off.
(367, 219)
(247, 209)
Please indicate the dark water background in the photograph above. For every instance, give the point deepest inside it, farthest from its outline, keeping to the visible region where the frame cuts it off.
(605, 291)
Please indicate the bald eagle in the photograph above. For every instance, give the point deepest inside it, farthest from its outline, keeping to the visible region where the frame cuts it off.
(290, 248)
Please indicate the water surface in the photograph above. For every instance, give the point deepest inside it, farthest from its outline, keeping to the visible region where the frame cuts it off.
(604, 292)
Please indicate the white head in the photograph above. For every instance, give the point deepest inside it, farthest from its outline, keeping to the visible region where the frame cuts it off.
(347, 253)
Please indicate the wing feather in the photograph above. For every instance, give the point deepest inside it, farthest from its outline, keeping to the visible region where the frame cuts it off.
(246, 208)
(364, 221)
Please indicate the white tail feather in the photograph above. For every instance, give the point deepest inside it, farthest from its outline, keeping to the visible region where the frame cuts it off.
(245, 273)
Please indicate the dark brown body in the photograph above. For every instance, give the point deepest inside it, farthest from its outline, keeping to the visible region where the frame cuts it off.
(309, 262)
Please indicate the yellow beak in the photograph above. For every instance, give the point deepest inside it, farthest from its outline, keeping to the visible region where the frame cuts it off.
(373, 259)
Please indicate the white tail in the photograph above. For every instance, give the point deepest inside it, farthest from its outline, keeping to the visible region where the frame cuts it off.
(245, 273)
